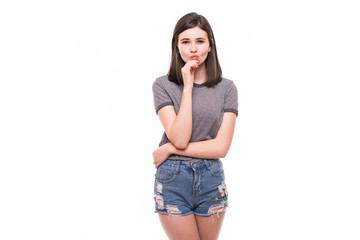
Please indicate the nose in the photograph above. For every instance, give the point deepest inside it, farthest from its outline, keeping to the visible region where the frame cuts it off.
(193, 48)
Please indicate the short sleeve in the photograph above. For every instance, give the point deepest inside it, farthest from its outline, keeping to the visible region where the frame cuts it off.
(231, 99)
(161, 97)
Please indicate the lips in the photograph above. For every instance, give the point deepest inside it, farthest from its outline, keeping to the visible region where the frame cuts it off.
(194, 57)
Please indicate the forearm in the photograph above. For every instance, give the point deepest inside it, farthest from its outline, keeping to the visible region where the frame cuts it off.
(209, 149)
(213, 148)
(181, 128)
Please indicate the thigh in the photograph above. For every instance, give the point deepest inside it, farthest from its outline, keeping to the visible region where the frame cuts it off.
(209, 226)
(180, 227)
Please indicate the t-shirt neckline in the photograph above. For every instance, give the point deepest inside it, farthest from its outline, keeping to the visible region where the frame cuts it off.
(199, 85)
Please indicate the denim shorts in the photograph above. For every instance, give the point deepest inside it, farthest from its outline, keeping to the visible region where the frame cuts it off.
(185, 187)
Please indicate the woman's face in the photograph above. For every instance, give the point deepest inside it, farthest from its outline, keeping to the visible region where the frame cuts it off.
(194, 44)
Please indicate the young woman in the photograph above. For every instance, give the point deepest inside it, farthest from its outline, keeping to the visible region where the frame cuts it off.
(198, 109)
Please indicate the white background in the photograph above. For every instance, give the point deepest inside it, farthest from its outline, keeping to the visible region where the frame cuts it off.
(78, 125)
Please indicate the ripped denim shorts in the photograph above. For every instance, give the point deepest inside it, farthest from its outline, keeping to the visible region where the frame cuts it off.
(185, 187)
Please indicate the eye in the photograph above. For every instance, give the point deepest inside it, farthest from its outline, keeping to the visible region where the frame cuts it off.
(185, 42)
(200, 41)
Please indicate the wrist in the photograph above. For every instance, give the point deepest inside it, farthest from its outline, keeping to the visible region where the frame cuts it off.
(188, 88)
(170, 148)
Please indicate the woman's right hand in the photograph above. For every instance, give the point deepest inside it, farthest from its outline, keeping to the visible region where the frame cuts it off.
(162, 153)
(188, 72)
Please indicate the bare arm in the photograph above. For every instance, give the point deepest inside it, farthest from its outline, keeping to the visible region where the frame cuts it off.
(178, 127)
(209, 149)
(214, 148)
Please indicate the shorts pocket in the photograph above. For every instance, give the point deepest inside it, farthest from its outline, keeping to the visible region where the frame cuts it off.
(167, 171)
(215, 167)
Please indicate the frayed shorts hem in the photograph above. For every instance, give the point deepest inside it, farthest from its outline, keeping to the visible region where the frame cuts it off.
(210, 214)
(197, 214)
(173, 214)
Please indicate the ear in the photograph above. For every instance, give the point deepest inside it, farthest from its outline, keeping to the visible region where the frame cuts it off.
(209, 49)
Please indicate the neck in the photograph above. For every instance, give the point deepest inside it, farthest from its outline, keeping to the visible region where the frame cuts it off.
(200, 74)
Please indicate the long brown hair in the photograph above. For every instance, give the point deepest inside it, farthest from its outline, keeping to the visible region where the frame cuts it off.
(213, 69)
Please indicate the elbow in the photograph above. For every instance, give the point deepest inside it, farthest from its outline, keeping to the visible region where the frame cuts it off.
(222, 154)
(224, 151)
(180, 145)
(180, 142)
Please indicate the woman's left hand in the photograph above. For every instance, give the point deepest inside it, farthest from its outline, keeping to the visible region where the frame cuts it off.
(162, 153)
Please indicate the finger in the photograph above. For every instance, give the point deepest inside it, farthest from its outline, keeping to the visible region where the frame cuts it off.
(191, 65)
(158, 164)
(193, 62)
(196, 62)
(195, 65)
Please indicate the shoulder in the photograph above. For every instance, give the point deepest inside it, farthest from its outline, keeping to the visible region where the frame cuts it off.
(164, 82)
(161, 79)
(227, 84)
(160, 83)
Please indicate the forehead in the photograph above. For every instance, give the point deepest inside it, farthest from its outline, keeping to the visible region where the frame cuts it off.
(194, 32)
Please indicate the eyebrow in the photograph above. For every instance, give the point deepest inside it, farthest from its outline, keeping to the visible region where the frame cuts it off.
(202, 38)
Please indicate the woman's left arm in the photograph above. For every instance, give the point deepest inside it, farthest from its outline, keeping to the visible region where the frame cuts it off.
(209, 149)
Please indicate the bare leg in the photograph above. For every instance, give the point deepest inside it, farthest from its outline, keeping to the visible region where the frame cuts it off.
(180, 227)
(209, 226)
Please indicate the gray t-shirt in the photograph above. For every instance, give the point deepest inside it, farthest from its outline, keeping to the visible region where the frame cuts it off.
(208, 107)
